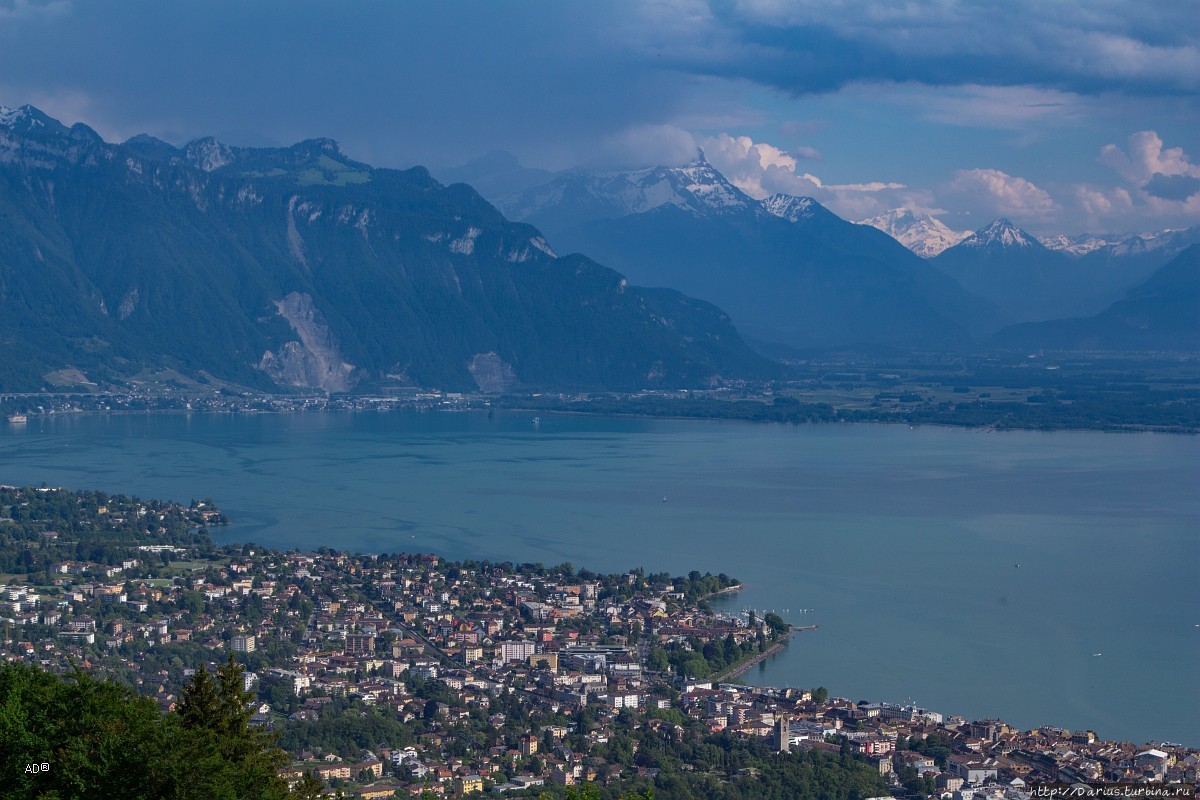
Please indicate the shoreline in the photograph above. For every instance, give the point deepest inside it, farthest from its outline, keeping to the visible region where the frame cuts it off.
(753, 661)
(992, 427)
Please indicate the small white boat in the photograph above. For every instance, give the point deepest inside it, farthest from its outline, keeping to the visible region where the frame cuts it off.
(18, 419)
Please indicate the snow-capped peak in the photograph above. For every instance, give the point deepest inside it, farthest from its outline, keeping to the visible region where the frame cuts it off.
(1001, 233)
(702, 181)
(1079, 245)
(924, 235)
(28, 119)
(790, 207)
(697, 187)
(10, 117)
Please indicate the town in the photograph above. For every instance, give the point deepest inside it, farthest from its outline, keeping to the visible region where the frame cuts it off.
(397, 675)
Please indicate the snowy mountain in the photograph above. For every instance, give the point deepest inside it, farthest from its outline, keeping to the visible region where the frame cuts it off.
(791, 208)
(1168, 243)
(787, 269)
(1026, 280)
(1000, 235)
(582, 196)
(921, 233)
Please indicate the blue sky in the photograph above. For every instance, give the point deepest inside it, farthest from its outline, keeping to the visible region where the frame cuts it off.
(1064, 116)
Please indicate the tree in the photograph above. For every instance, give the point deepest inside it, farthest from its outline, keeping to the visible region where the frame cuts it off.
(776, 624)
(309, 787)
(222, 756)
(199, 701)
(102, 740)
(820, 695)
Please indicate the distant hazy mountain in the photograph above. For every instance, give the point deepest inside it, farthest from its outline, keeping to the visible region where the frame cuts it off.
(1028, 281)
(1168, 242)
(1126, 259)
(921, 233)
(494, 175)
(577, 198)
(786, 269)
(1160, 314)
(300, 267)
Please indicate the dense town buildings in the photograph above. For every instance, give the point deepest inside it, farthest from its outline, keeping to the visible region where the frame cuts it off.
(476, 676)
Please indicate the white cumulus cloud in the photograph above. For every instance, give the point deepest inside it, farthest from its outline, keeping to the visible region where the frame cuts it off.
(991, 191)
(1146, 158)
(761, 169)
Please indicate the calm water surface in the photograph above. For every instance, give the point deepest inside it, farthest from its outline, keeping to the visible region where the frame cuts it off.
(904, 542)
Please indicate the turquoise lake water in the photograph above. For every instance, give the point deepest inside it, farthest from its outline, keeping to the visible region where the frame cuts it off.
(903, 541)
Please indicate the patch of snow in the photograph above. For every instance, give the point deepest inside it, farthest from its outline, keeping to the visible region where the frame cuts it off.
(1000, 233)
(1122, 244)
(697, 188)
(541, 244)
(9, 117)
(790, 207)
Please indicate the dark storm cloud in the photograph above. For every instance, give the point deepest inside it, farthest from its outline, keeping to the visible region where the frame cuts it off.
(401, 83)
(395, 82)
(1172, 187)
(1137, 47)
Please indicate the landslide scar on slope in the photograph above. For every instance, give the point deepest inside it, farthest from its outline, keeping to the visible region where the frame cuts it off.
(314, 361)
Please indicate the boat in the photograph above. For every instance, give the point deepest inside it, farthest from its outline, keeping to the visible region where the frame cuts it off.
(1097, 655)
(664, 498)
(17, 419)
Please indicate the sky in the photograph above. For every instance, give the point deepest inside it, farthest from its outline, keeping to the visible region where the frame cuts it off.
(1063, 115)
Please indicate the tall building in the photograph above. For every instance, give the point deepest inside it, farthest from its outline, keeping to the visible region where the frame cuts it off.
(243, 643)
(360, 644)
(516, 651)
(783, 734)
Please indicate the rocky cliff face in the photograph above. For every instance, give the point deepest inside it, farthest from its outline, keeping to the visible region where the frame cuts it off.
(314, 361)
(491, 374)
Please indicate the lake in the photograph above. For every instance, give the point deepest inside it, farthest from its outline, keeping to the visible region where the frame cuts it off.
(904, 542)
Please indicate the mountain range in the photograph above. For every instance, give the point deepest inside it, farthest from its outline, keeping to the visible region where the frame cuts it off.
(821, 282)
(300, 267)
(786, 269)
(1162, 313)
(1030, 282)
